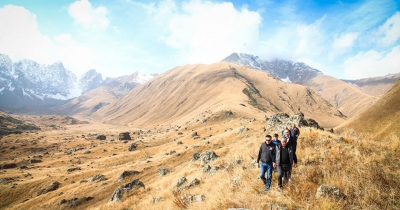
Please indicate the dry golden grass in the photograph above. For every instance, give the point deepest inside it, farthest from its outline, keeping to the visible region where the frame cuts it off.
(365, 171)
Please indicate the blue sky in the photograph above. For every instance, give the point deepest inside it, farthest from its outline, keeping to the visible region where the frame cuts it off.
(344, 39)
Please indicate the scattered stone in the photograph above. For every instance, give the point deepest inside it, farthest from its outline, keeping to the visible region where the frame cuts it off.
(8, 166)
(214, 169)
(172, 152)
(6, 180)
(83, 181)
(194, 182)
(181, 181)
(101, 137)
(199, 198)
(73, 169)
(132, 147)
(252, 120)
(98, 178)
(242, 130)
(179, 142)
(126, 174)
(77, 201)
(237, 209)
(163, 172)
(86, 152)
(53, 186)
(117, 195)
(327, 191)
(124, 136)
(196, 137)
(62, 201)
(180, 133)
(194, 134)
(228, 112)
(206, 169)
(23, 167)
(68, 152)
(339, 138)
(196, 156)
(158, 199)
(207, 157)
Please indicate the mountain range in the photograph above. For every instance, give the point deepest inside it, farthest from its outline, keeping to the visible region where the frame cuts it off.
(27, 85)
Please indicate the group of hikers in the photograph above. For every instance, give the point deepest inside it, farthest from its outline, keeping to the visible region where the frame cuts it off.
(278, 154)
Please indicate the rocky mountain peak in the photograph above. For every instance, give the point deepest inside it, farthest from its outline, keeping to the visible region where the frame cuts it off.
(90, 80)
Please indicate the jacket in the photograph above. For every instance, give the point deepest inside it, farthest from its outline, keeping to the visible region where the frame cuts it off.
(295, 132)
(292, 154)
(266, 152)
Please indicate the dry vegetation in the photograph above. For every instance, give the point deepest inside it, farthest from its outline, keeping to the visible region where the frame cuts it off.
(365, 171)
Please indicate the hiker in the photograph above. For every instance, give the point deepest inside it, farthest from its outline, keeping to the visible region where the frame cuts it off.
(283, 131)
(267, 157)
(290, 140)
(285, 158)
(275, 140)
(295, 132)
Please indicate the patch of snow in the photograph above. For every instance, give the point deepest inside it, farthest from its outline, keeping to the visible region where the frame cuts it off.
(143, 77)
(287, 80)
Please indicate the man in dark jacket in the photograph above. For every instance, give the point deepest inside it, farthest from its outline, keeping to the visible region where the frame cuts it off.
(285, 159)
(295, 133)
(292, 141)
(267, 157)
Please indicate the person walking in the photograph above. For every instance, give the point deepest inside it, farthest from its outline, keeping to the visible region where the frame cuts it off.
(292, 141)
(267, 157)
(285, 158)
(275, 140)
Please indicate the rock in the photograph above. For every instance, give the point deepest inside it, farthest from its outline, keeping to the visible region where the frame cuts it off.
(101, 137)
(237, 209)
(8, 166)
(163, 172)
(124, 136)
(196, 156)
(228, 112)
(207, 157)
(158, 199)
(62, 201)
(98, 177)
(214, 169)
(198, 198)
(53, 186)
(126, 174)
(179, 142)
(6, 180)
(68, 152)
(132, 147)
(327, 191)
(73, 169)
(23, 167)
(34, 161)
(275, 206)
(206, 169)
(194, 182)
(180, 133)
(339, 138)
(242, 130)
(117, 195)
(77, 201)
(86, 152)
(196, 137)
(181, 181)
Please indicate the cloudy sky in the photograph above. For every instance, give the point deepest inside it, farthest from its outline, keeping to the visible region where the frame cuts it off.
(345, 39)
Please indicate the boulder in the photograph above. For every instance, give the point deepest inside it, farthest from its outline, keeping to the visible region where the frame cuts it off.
(327, 191)
(126, 174)
(207, 157)
(124, 136)
(132, 147)
(101, 137)
(117, 195)
(73, 169)
(86, 152)
(242, 130)
(98, 177)
(181, 181)
(8, 166)
(34, 161)
(196, 156)
(77, 201)
(53, 186)
(163, 172)
(194, 182)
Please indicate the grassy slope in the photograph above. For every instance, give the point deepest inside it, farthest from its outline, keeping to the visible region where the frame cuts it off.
(381, 119)
(322, 161)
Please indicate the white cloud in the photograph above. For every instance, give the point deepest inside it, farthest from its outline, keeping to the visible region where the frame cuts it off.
(372, 64)
(84, 14)
(206, 32)
(390, 31)
(20, 37)
(342, 43)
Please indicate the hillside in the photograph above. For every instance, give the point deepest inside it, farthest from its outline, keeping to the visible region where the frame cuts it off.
(181, 93)
(381, 119)
(376, 86)
(340, 94)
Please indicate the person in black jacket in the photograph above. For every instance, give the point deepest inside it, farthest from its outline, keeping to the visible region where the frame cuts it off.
(285, 158)
(267, 157)
(291, 140)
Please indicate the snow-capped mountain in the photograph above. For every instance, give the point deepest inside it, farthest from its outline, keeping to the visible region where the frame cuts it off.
(90, 80)
(29, 84)
(291, 72)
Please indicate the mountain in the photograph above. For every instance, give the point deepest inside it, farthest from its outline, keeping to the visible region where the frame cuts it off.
(109, 90)
(381, 119)
(177, 95)
(376, 86)
(347, 98)
(90, 80)
(28, 84)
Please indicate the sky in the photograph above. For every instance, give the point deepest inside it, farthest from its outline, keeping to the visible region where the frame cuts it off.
(345, 39)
